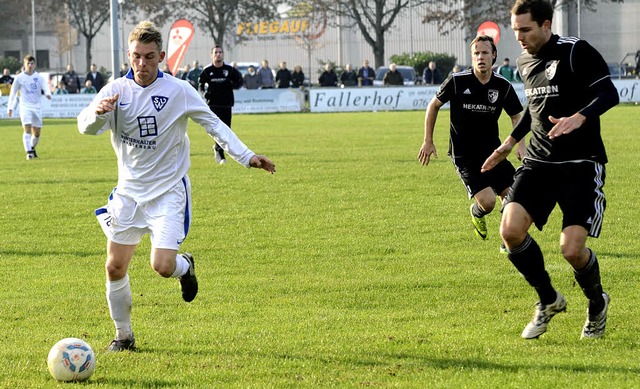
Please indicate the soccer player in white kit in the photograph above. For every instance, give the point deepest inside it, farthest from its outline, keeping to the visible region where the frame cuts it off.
(147, 112)
(31, 86)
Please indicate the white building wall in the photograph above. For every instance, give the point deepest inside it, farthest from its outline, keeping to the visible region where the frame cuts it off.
(614, 30)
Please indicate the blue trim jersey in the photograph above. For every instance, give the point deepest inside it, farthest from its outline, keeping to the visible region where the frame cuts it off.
(31, 87)
(566, 76)
(474, 110)
(149, 132)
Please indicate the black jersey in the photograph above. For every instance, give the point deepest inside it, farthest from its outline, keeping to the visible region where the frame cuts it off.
(566, 76)
(220, 83)
(475, 109)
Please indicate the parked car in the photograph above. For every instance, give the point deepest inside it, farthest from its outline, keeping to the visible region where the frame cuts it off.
(408, 74)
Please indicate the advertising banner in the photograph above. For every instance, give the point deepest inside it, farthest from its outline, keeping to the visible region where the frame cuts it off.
(180, 37)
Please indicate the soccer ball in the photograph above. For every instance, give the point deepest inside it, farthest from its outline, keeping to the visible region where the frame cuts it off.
(71, 359)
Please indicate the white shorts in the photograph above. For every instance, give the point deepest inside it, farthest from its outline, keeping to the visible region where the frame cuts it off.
(31, 116)
(167, 218)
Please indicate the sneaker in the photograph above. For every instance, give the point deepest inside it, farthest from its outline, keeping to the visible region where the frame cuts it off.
(123, 344)
(219, 154)
(542, 316)
(35, 155)
(30, 155)
(189, 282)
(594, 326)
(479, 223)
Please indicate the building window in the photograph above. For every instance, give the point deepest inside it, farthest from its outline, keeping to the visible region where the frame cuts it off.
(42, 59)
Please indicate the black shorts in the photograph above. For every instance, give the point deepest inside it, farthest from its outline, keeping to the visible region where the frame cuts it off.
(499, 178)
(576, 186)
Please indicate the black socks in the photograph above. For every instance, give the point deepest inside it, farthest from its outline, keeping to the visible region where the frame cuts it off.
(528, 259)
(589, 280)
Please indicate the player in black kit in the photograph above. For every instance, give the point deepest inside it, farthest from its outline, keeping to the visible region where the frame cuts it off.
(568, 86)
(477, 98)
(217, 81)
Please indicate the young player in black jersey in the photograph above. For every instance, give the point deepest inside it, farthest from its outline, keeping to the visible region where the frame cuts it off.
(477, 98)
(568, 86)
(218, 80)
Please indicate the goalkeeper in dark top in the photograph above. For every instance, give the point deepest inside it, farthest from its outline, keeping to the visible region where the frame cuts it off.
(477, 97)
(568, 86)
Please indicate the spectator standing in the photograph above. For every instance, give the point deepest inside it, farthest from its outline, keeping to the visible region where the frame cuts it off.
(366, 74)
(31, 86)
(431, 75)
(393, 76)
(124, 69)
(218, 81)
(88, 87)
(328, 77)
(265, 73)
(71, 80)
(194, 74)
(283, 76)
(5, 82)
(506, 71)
(165, 69)
(349, 76)
(297, 77)
(95, 77)
(185, 72)
(251, 80)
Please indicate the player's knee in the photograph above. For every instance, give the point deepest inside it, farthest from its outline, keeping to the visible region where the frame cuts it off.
(163, 268)
(487, 205)
(115, 270)
(511, 235)
(574, 254)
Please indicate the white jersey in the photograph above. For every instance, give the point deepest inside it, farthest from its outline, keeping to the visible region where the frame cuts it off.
(30, 87)
(149, 132)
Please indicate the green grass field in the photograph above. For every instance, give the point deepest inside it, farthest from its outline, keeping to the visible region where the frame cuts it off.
(352, 266)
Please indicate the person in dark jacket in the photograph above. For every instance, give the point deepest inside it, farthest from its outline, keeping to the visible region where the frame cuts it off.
(393, 76)
(283, 76)
(328, 77)
(218, 80)
(297, 77)
(432, 75)
(95, 77)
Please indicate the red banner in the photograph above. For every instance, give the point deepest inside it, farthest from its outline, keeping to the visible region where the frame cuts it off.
(180, 36)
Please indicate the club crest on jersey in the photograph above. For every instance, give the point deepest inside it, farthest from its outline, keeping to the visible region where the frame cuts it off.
(550, 69)
(159, 102)
(493, 96)
(225, 72)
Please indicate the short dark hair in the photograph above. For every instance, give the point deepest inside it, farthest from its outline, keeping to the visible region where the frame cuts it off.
(486, 38)
(540, 10)
(29, 58)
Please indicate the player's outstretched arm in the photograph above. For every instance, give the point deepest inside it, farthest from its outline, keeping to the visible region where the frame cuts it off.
(262, 162)
(499, 155)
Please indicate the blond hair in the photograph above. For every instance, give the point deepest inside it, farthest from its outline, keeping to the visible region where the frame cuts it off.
(146, 32)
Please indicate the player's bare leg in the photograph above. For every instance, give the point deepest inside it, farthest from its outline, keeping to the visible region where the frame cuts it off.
(119, 294)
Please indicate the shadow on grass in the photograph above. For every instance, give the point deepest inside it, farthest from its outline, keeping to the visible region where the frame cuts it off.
(413, 361)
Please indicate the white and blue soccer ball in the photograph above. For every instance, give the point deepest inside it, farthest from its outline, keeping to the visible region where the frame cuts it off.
(71, 359)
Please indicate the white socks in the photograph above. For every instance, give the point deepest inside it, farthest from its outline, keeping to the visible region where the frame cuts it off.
(34, 141)
(119, 299)
(182, 266)
(26, 141)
